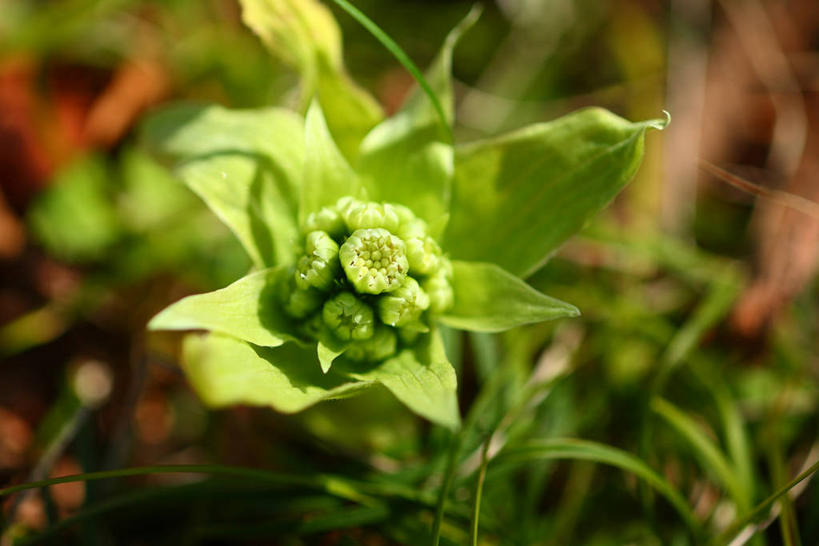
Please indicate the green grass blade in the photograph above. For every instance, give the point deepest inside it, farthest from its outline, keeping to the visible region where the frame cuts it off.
(337, 486)
(215, 469)
(569, 448)
(476, 512)
(717, 303)
(710, 456)
(449, 475)
(737, 443)
(399, 54)
(756, 512)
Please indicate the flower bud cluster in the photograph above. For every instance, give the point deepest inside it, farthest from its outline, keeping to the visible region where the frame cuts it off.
(369, 276)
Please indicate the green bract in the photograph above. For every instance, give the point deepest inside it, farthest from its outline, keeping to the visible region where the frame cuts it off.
(362, 252)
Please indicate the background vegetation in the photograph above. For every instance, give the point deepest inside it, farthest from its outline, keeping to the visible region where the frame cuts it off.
(669, 413)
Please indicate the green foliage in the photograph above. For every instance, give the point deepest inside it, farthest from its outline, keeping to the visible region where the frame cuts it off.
(251, 168)
(489, 299)
(248, 172)
(226, 371)
(238, 310)
(327, 175)
(535, 187)
(558, 448)
(645, 421)
(304, 35)
(75, 220)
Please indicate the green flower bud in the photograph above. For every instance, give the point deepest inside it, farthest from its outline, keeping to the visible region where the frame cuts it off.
(314, 327)
(301, 302)
(360, 215)
(404, 305)
(374, 260)
(408, 335)
(423, 255)
(380, 346)
(327, 220)
(348, 317)
(344, 205)
(439, 288)
(319, 266)
(410, 226)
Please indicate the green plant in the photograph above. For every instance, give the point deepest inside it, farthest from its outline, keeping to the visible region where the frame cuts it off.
(363, 253)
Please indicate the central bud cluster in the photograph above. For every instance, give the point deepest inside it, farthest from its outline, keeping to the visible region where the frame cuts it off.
(368, 278)
(374, 260)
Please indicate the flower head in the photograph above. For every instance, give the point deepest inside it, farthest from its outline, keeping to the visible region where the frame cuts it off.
(367, 277)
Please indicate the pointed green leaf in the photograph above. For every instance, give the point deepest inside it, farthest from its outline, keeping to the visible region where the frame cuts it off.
(519, 196)
(408, 158)
(251, 200)
(327, 355)
(327, 175)
(226, 371)
(247, 169)
(247, 309)
(351, 112)
(421, 377)
(490, 299)
(439, 75)
(304, 35)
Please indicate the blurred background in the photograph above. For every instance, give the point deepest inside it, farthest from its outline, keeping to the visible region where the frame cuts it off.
(699, 282)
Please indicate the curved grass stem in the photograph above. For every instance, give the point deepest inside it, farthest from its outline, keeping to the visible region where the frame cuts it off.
(400, 55)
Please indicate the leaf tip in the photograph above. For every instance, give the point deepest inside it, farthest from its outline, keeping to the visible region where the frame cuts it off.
(659, 124)
(572, 311)
(156, 322)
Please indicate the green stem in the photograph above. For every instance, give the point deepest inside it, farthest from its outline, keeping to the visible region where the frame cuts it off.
(752, 516)
(476, 512)
(449, 475)
(167, 469)
(399, 54)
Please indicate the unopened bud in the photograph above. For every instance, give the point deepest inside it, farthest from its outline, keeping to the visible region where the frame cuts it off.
(380, 346)
(371, 215)
(327, 220)
(299, 302)
(423, 255)
(439, 288)
(319, 265)
(404, 305)
(348, 317)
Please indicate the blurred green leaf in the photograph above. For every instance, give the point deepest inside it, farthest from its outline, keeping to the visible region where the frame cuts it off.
(706, 450)
(531, 189)
(304, 35)
(225, 371)
(489, 299)
(569, 448)
(246, 310)
(75, 218)
(151, 198)
(439, 77)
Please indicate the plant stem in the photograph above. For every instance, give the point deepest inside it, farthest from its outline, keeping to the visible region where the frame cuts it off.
(479, 490)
